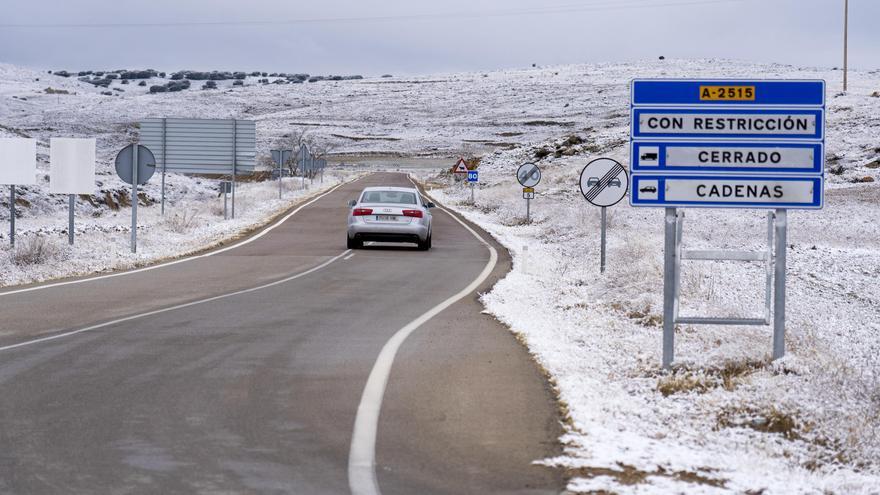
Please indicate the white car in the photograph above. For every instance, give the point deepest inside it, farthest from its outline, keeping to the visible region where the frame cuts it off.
(389, 214)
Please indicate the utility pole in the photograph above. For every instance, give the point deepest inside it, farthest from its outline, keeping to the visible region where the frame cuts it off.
(845, 39)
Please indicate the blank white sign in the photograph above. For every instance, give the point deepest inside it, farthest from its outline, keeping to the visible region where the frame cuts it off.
(71, 166)
(18, 161)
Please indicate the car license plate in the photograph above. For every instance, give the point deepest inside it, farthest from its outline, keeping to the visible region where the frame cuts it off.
(386, 218)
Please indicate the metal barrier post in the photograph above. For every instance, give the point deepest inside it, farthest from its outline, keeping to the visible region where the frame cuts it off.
(779, 285)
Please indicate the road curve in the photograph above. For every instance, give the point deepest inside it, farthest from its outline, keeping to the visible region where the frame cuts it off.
(257, 391)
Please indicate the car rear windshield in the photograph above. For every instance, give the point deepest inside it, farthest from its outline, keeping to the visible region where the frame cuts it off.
(395, 197)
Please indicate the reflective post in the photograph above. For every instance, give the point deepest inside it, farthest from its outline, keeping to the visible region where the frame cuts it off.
(669, 288)
(528, 201)
(779, 285)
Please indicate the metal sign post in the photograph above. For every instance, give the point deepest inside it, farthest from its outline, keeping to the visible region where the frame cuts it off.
(603, 183)
(12, 214)
(234, 162)
(134, 198)
(72, 171)
(70, 206)
(528, 195)
(731, 144)
(18, 166)
(281, 157)
(602, 242)
(473, 176)
(164, 164)
(304, 156)
(528, 175)
(135, 164)
(225, 188)
(779, 285)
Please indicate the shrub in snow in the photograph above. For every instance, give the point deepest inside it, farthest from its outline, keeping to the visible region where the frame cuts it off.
(35, 251)
(142, 83)
(158, 89)
(238, 82)
(183, 222)
(62, 73)
(209, 85)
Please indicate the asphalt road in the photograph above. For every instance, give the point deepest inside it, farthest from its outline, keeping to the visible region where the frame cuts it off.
(257, 392)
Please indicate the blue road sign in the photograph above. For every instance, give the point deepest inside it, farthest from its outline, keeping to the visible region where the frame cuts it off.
(736, 143)
(733, 191)
(737, 123)
(473, 176)
(714, 156)
(687, 92)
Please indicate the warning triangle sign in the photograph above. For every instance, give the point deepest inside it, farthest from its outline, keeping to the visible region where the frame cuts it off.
(460, 167)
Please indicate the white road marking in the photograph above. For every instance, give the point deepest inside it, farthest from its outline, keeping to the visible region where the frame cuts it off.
(362, 456)
(350, 256)
(176, 307)
(181, 260)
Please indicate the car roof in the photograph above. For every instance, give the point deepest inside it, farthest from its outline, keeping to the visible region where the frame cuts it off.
(391, 188)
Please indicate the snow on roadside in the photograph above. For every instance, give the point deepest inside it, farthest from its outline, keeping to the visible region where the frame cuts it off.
(192, 223)
(728, 420)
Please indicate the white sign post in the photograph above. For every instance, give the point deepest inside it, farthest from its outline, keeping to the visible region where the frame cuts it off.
(72, 171)
(18, 165)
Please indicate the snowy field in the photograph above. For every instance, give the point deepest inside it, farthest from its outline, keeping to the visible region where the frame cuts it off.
(727, 421)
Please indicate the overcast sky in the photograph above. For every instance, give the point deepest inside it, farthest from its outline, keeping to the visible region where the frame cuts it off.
(373, 37)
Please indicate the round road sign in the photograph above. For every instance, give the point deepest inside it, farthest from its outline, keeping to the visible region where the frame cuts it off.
(146, 164)
(604, 182)
(528, 175)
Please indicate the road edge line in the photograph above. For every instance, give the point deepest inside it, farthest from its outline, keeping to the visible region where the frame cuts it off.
(362, 478)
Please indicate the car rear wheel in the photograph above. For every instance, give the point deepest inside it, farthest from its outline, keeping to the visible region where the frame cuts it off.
(355, 243)
(426, 245)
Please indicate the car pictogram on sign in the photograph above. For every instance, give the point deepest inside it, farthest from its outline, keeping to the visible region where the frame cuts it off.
(648, 189)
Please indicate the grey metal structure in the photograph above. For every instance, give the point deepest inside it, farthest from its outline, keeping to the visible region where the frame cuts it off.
(774, 261)
(201, 146)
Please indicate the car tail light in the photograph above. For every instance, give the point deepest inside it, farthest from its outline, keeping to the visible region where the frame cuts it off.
(359, 212)
(412, 213)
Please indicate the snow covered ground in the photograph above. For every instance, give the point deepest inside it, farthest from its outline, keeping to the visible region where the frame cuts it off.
(728, 420)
